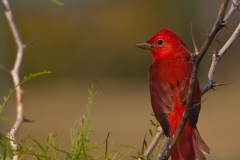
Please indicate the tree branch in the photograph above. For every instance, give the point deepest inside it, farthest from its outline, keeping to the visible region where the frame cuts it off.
(154, 143)
(15, 74)
(216, 57)
(232, 10)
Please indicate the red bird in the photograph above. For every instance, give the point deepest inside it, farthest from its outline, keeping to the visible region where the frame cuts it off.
(169, 77)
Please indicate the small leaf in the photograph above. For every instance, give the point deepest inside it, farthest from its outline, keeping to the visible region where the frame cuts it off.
(150, 131)
(25, 78)
(57, 2)
(141, 156)
(145, 144)
(94, 94)
(5, 119)
(90, 91)
(154, 124)
(139, 153)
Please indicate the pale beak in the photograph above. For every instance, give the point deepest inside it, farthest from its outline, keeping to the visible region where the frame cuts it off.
(144, 45)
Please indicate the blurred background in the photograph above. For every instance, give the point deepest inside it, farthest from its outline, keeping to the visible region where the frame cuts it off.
(88, 41)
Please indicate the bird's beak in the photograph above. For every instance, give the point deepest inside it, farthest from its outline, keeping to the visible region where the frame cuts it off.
(144, 45)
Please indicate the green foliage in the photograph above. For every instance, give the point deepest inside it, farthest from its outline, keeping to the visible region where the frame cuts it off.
(79, 141)
(37, 150)
(25, 79)
(152, 133)
(6, 152)
(81, 131)
(142, 156)
(79, 138)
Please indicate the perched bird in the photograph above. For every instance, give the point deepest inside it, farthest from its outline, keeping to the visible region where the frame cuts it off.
(169, 78)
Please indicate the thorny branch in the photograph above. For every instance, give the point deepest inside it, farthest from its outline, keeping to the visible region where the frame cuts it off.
(216, 57)
(15, 74)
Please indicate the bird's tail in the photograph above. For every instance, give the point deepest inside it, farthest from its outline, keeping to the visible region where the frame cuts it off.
(190, 146)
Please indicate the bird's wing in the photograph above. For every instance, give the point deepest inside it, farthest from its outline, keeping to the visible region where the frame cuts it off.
(183, 93)
(193, 117)
(162, 103)
(183, 87)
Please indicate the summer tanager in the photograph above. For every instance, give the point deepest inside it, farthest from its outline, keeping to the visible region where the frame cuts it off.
(169, 77)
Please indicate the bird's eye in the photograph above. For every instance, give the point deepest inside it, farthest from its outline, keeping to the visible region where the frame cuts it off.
(160, 42)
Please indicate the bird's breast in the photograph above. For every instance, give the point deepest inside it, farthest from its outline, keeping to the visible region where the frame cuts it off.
(170, 70)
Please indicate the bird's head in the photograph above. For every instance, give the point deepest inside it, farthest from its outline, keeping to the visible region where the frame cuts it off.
(164, 43)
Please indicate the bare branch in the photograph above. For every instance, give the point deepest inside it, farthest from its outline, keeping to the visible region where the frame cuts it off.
(234, 7)
(216, 58)
(232, 10)
(15, 74)
(154, 143)
(5, 69)
(31, 42)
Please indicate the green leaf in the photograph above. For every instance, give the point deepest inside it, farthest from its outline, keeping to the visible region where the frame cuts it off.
(154, 124)
(150, 131)
(145, 144)
(20, 83)
(140, 155)
(5, 119)
(38, 144)
(57, 2)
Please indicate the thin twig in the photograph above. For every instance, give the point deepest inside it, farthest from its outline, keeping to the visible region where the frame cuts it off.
(106, 147)
(216, 58)
(15, 74)
(194, 42)
(153, 143)
(5, 69)
(234, 7)
(143, 144)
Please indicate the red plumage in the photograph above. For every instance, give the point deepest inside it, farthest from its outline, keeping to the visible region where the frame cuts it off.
(169, 76)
